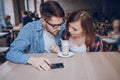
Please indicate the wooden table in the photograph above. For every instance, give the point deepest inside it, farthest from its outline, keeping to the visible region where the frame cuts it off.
(88, 66)
(3, 49)
(3, 34)
(109, 42)
(15, 31)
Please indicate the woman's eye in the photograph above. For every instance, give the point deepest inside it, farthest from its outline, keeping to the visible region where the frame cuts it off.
(74, 29)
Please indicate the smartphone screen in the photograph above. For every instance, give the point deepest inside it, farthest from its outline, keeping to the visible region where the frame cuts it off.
(57, 65)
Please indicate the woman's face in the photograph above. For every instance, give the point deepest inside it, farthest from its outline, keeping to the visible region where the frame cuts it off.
(76, 29)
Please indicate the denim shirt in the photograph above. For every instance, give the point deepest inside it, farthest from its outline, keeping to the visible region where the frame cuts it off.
(31, 35)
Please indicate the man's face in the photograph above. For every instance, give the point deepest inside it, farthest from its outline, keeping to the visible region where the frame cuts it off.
(53, 25)
(9, 19)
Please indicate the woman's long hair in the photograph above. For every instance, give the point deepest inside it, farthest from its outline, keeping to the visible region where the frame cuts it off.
(86, 24)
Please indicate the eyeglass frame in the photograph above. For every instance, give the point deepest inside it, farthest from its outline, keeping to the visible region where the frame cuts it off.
(53, 25)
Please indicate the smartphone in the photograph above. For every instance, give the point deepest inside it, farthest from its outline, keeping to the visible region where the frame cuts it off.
(56, 65)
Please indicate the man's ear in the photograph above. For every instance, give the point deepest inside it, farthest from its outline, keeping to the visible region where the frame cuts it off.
(43, 21)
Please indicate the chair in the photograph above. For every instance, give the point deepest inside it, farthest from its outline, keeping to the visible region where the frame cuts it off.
(3, 51)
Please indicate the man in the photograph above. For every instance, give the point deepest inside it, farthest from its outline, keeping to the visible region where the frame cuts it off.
(41, 36)
(6, 22)
(25, 18)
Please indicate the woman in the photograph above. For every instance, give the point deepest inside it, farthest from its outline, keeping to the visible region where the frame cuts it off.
(81, 33)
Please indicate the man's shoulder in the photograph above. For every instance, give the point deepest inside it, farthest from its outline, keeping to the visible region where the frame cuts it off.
(34, 25)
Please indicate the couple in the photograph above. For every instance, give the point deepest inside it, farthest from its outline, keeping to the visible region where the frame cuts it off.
(43, 36)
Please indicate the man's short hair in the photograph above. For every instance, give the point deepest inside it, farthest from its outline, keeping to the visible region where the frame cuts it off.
(51, 8)
(7, 17)
(24, 12)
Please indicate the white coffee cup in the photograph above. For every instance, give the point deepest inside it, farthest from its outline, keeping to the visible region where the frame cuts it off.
(65, 47)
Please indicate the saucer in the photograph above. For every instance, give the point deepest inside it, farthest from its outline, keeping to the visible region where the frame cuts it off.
(61, 55)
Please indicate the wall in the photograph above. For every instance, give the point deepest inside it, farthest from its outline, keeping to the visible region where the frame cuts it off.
(108, 7)
(8, 9)
(31, 5)
(112, 8)
(38, 2)
(19, 6)
(90, 5)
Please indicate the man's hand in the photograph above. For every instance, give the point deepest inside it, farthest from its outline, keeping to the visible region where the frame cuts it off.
(54, 49)
(39, 63)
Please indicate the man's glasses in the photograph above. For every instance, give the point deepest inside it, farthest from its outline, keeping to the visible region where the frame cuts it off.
(54, 25)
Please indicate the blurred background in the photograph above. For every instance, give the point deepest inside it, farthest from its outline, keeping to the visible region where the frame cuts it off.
(104, 13)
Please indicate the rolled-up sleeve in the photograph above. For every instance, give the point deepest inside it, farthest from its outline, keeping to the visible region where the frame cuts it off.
(16, 51)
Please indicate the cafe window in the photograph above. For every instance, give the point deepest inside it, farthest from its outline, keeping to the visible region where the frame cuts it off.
(1, 12)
